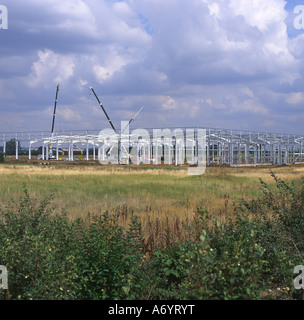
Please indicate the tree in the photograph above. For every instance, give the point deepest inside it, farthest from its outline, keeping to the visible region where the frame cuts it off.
(11, 147)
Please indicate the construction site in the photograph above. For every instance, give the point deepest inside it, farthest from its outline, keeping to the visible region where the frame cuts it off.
(155, 146)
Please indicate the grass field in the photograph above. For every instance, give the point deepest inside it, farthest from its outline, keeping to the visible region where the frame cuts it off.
(169, 250)
(166, 195)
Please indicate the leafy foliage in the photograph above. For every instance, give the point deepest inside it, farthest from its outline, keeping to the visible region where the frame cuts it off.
(11, 146)
(49, 256)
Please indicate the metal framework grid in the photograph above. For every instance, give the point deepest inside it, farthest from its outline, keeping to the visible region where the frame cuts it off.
(222, 146)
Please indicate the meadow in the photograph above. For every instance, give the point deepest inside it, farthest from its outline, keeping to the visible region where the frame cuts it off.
(150, 193)
(174, 225)
(164, 192)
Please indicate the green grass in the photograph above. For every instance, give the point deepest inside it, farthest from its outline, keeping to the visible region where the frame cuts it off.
(166, 192)
(145, 189)
(175, 248)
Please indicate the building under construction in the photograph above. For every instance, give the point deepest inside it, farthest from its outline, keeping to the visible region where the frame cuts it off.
(170, 146)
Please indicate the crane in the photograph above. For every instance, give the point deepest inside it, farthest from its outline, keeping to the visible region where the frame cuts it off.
(54, 113)
(50, 149)
(103, 109)
(111, 123)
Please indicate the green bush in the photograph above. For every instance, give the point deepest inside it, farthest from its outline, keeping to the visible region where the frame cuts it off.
(37, 249)
(107, 259)
(11, 146)
(224, 264)
(1, 157)
(255, 250)
(279, 216)
(49, 256)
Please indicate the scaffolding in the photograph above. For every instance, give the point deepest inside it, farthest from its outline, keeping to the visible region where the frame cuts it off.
(170, 146)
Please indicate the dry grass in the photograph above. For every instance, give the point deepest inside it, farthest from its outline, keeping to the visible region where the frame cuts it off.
(83, 170)
(162, 198)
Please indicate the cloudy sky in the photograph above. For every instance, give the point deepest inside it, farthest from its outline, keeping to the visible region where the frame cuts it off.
(236, 64)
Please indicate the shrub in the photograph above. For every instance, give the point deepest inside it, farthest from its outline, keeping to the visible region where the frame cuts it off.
(49, 256)
(11, 146)
(107, 260)
(279, 216)
(36, 249)
(224, 264)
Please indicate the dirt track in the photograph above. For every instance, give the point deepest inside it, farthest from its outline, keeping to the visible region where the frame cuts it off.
(25, 160)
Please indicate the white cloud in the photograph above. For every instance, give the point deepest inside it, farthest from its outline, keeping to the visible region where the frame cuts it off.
(114, 63)
(259, 13)
(168, 103)
(66, 113)
(214, 9)
(247, 92)
(247, 105)
(50, 67)
(123, 9)
(185, 61)
(67, 17)
(194, 111)
(253, 106)
(209, 101)
(295, 98)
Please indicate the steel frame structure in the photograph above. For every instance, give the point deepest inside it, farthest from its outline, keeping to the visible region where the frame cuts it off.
(223, 146)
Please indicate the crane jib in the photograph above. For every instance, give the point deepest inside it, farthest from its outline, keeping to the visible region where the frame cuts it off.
(103, 110)
(56, 99)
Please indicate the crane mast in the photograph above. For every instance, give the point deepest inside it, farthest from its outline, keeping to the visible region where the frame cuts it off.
(54, 113)
(103, 109)
(50, 149)
(119, 136)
